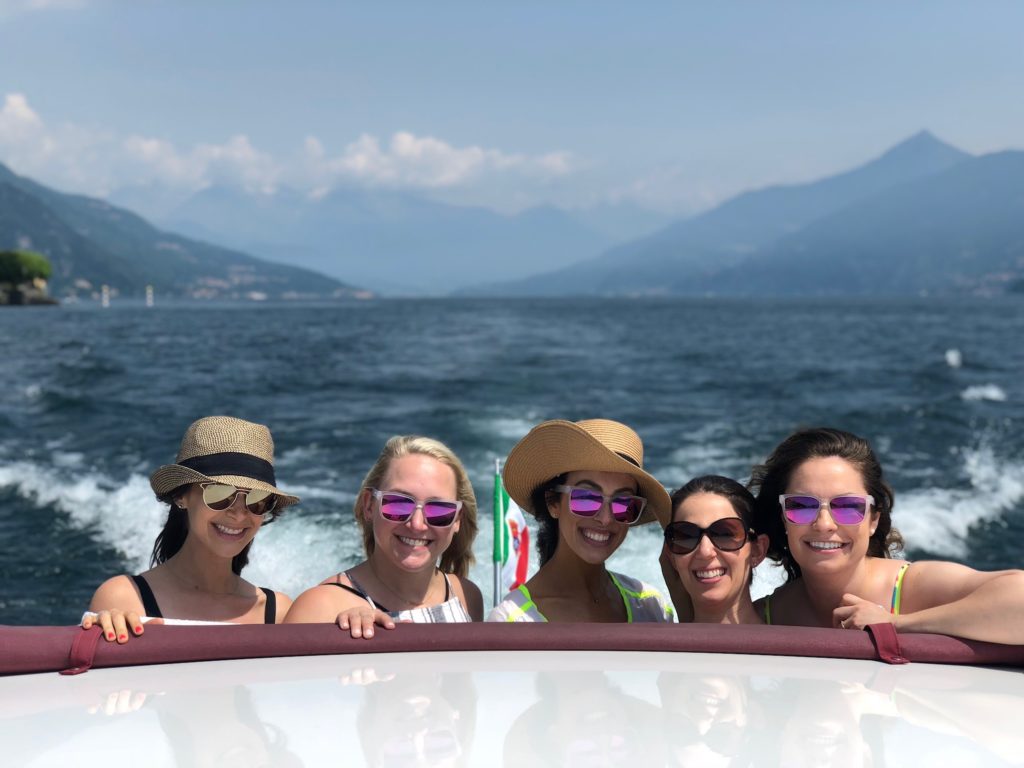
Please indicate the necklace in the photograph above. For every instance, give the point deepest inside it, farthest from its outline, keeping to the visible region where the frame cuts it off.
(197, 588)
(395, 593)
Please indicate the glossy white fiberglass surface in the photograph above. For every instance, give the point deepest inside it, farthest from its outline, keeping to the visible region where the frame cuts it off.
(522, 708)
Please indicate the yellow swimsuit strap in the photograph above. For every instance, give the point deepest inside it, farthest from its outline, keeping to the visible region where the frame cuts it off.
(897, 590)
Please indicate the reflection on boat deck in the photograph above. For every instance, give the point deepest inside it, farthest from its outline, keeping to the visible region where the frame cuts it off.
(520, 708)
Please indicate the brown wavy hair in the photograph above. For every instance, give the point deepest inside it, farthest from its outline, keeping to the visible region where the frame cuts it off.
(769, 481)
(458, 558)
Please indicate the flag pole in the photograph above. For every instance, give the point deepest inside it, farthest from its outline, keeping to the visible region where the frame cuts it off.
(498, 557)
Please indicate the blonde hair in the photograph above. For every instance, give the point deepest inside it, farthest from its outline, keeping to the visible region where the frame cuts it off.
(459, 556)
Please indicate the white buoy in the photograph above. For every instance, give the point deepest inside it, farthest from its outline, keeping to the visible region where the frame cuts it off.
(953, 358)
(149, 295)
(105, 296)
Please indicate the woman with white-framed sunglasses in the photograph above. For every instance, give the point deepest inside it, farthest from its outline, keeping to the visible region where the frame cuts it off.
(827, 509)
(417, 512)
(220, 492)
(585, 484)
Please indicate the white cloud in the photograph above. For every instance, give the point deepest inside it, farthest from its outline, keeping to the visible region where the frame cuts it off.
(10, 8)
(428, 162)
(236, 162)
(18, 121)
(96, 163)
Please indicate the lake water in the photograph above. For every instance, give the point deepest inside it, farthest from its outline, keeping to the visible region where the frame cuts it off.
(92, 400)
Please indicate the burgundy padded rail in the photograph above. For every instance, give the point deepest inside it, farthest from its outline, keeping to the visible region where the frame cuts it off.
(43, 649)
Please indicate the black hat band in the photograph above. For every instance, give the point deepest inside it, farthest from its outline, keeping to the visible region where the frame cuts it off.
(241, 464)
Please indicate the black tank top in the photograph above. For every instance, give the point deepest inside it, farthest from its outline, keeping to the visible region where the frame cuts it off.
(153, 610)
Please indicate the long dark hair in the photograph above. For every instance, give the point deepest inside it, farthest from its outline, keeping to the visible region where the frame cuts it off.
(172, 536)
(771, 479)
(741, 500)
(547, 526)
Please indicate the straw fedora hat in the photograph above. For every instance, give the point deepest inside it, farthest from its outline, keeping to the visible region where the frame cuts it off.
(225, 450)
(555, 447)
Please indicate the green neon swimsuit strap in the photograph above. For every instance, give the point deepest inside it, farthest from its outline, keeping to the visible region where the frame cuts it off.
(897, 590)
(525, 607)
(625, 594)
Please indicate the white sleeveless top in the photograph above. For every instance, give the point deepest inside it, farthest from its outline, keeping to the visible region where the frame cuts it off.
(451, 610)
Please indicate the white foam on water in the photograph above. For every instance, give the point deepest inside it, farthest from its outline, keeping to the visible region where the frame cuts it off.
(295, 553)
(291, 555)
(938, 519)
(991, 392)
(33, 392)
(123, 515)
(953, 358)
(508, 428)
(299, 456)
(341, 499)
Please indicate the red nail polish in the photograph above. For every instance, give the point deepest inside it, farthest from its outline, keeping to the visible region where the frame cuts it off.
(138, 629)
(122, 637)
(110, 635)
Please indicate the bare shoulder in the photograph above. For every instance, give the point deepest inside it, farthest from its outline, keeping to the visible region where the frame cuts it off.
(470, 595)
(929, 583)
(117, 592)
(321, 603)
(284, 604)
(786, 604)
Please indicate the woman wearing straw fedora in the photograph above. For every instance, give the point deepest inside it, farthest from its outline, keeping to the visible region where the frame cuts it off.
(220, 492)
(416, 509)
(584, 482)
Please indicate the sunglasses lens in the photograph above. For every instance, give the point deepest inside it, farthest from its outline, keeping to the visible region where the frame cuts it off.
(728, 534)
(627, 509)
(396, 507)
(801, 510)
(219, 496)
(848, 510)
(260, 502)
(585, 503)
(682, 538)
(440, 514)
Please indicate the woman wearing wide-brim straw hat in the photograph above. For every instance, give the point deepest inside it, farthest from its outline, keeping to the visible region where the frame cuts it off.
(585, 483)
(220, 491)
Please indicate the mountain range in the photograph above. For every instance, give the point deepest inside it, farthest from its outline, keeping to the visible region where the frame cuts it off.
(92, 243)
(924, 218)
(398, 242)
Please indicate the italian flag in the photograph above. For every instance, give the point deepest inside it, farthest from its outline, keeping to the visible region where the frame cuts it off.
(511, 541)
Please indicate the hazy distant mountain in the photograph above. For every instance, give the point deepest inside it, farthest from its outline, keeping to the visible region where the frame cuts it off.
(708, 253)
(93, 243)
(961, 230)
(397, 241)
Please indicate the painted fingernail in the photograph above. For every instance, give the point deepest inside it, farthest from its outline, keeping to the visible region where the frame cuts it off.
(110, 635)
(138, 629)
(122, 637)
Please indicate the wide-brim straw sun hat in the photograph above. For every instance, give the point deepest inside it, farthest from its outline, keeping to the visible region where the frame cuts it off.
(553, 448)
(223, 449)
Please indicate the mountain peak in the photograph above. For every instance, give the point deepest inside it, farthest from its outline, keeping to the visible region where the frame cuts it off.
(924, 143)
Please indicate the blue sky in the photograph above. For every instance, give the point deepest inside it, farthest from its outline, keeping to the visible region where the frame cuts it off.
(666, 105)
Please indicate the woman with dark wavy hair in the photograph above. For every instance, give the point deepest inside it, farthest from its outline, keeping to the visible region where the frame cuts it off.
(827, 509)
(585, 483)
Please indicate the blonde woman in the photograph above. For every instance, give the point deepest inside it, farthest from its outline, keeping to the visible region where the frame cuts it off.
(417, 512)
